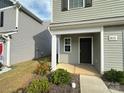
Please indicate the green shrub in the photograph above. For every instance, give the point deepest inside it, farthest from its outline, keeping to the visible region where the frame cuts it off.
(42, 69)
(1, 65)
(122, 81)
(38, 86)
(113, 75)
(60, 77)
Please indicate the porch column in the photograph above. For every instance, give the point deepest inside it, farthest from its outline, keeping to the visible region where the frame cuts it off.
(54, 52)
(8, 51)
(102, 49)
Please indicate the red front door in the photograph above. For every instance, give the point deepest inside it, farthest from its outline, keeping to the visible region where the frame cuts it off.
(1, 48)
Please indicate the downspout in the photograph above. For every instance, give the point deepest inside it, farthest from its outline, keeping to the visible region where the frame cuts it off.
(17, 15)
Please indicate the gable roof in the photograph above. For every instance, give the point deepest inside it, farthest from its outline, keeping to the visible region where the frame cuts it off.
(26, 11)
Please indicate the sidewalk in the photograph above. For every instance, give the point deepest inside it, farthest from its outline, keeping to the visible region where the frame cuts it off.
(115, 91)
(92, 84)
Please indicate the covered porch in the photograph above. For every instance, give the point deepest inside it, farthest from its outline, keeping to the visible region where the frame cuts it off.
(81, 69)
(79, 51)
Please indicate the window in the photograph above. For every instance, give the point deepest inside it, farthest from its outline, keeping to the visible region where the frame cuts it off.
(70, 4)
(88, 3)
(64, 5)
(75, 3)
(67, 44)
(1, 19)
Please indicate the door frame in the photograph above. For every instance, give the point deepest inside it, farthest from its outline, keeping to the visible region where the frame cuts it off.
(79, 38)
(2, 61)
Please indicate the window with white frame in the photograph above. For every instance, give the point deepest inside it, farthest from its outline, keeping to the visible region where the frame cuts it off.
(70, 4)
(67, 44)
(88, 3)
(75, 3)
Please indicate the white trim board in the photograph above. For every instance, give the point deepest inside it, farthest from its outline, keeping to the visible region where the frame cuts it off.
(77, 31)
(3, 9)
(54, 52)
(8, 51)
(3, 51)
(102, 50)
(91, 48)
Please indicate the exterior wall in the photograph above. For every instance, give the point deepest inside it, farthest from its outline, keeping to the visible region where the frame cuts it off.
(32, 40)
(99, 9)
(72, 58)
(5, 3)
(9, 20)
(113, 50)
(96, 50)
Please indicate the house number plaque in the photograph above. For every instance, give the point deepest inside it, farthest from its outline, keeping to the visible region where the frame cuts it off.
(113, 37)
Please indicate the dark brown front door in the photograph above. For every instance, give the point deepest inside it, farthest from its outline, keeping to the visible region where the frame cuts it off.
(85, 50)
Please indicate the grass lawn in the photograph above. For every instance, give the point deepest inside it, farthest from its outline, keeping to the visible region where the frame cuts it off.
(19, 76)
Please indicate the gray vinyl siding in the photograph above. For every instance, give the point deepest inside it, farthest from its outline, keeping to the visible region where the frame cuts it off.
(96, 51)
(113, 50)
(9, 20)
(73, 56)
(32, 40)
(99, 9)
(5, 3)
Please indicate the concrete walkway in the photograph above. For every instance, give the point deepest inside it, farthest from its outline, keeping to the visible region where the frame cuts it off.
(92, 84)
(115, 91)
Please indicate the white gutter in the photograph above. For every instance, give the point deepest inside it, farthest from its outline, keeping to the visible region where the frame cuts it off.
(13, 1)
(2, 9)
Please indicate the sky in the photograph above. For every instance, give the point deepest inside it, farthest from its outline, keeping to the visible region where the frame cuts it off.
(40, 8)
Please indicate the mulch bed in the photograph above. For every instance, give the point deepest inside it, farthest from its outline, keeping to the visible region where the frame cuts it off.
(67, 88)
(60, 88)
(114, 86)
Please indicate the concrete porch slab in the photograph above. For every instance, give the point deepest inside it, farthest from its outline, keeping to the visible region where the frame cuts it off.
(82, 69)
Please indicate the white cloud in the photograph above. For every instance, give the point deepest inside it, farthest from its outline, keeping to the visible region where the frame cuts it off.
(40, 7)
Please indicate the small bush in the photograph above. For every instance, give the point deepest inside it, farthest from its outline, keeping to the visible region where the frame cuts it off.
(113, 75)
(122, 81)
(38, 86)
(60, 77)
(1, 65)
(42, 69)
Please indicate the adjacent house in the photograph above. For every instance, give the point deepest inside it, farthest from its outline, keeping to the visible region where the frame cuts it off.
(88, 32)
(23, 36)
